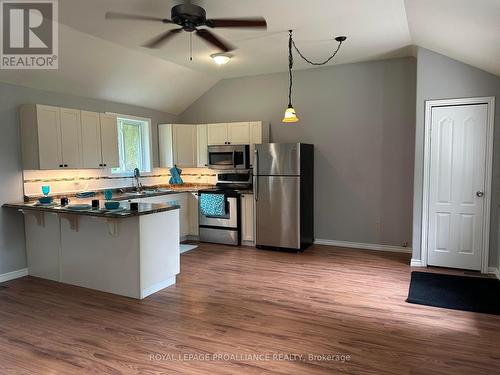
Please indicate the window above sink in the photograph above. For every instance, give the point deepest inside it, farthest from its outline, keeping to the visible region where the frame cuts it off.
(134, 140)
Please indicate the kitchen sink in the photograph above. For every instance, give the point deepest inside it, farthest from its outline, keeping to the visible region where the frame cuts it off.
(145, 193)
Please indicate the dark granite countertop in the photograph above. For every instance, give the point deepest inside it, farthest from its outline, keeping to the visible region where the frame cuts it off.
(123, 212)
(128, 193)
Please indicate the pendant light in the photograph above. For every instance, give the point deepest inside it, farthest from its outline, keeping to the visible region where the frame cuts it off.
(290, 114)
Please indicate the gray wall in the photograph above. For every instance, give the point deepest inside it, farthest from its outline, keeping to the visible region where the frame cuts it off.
(12, 245)
(361, 118)
(439, 77)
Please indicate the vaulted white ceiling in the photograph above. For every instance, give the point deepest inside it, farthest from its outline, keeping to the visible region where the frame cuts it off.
(103, 59)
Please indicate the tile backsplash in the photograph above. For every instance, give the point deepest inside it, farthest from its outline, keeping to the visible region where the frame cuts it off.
(76, 180)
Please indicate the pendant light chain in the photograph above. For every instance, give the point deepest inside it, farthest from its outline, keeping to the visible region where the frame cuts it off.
(290, 114)
(339, 39)
(290, 66)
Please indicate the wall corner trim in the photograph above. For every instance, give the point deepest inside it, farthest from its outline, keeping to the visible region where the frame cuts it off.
(495, 271)
(363, 246)
(13, 275)
(416, 263)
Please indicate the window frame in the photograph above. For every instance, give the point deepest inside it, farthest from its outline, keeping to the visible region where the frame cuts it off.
(146, 144)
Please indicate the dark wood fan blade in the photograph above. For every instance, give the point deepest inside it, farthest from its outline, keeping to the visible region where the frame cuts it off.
(258, 22)
(162, 39)
(134, 17)
(214, 40)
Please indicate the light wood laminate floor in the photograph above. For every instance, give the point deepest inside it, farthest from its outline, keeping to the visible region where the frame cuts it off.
(246, 307)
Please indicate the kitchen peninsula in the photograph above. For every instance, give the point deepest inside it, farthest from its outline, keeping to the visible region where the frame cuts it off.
(130, 253)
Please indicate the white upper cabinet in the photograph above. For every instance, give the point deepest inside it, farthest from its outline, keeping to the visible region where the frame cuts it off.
(217, 134)
(109, 141)
(55, 138)
(100, 140)
(185, 145)
(178, 145)
(91, 140)
(165, 143)
(71, 138)
(238, 133)
(202, 145)
(41, 137)
(259, 133)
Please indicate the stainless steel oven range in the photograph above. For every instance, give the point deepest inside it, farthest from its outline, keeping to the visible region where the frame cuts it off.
(225, 228)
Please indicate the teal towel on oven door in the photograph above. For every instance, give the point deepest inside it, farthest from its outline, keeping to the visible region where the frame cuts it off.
(213, 204)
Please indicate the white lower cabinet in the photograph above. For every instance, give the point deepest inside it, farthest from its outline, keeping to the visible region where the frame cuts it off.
(188, 213)
(193, 213)
(247, 218)
(182, 200)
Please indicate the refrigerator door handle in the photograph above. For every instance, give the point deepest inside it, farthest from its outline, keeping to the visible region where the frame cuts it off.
(256, 179)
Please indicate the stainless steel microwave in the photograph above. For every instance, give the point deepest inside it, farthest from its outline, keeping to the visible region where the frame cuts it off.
(229, 157)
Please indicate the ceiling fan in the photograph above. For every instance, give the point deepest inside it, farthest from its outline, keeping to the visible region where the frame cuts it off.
(190, 18)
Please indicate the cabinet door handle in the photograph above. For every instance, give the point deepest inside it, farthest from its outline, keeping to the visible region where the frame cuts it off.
(100, 165)
(65, 165)
(60, 165)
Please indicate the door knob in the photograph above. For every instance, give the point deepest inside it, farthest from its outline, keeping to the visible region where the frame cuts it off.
(479, 194)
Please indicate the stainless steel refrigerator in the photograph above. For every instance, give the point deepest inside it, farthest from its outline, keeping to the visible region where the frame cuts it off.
(284, 195)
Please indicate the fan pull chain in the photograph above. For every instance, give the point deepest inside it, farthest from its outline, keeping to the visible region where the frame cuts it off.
(190, 46)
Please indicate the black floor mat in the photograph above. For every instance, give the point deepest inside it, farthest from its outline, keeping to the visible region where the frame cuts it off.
(455, 292)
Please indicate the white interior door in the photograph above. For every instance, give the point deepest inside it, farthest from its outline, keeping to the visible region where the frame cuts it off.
(457, 186)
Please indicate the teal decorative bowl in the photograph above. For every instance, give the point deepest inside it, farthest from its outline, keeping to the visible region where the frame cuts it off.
(112, 205)
(45, 200)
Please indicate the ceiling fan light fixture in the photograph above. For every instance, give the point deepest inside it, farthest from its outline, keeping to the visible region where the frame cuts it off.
(221, 58)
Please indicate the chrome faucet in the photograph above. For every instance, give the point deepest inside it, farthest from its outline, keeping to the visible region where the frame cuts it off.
(138, 185)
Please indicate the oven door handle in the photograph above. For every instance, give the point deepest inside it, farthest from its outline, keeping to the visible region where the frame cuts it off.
(234, 158)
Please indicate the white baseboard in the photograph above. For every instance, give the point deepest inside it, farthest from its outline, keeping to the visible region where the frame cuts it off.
(416, 263)
(157, 287)
(495, 271)
(13, 275)
(185, 248)
(365, 246)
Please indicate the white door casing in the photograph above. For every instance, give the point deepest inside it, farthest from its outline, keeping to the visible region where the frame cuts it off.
(457, 183)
